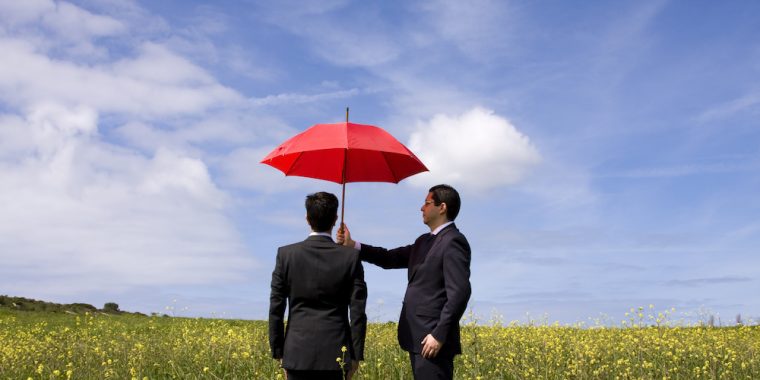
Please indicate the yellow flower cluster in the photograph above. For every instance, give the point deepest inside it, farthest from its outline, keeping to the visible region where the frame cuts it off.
(62, 346)
(634, 350)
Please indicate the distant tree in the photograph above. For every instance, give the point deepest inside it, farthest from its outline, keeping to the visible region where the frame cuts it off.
(111, 307)
(79, 307)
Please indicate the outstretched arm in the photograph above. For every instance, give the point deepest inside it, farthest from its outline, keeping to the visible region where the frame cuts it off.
(384, 258)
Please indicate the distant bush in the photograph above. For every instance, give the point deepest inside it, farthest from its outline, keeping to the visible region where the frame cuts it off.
(83, 306)
(111, 307)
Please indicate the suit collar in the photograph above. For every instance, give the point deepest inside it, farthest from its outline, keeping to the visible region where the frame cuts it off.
(319, 238)
(441, 228)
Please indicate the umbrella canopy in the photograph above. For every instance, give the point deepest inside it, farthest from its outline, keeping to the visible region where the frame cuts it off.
(345, 152)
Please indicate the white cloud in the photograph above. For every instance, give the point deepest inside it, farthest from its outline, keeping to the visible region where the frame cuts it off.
(364, 41)
(222, 129)
(61, 27)
(169, 172)
(251, 63)
(289, 99)
(21, 12)
(154, 83)
(478, 150)
(74, 23)
(80, 213)
(476, 28)
(149, 138)
(358, 47)
(156, 64)
(242, 169)
(67, 21)
(53, 118)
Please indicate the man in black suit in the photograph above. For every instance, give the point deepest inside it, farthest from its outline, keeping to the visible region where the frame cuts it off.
(320, 281)
(438, 266)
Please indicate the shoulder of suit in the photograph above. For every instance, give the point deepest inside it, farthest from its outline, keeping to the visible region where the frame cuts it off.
(450, 230)
(289, 246)
(453, 233)
(286, 249)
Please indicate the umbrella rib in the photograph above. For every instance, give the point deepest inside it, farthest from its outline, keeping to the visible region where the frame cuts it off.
(390, 168)
(293, 164)
(345, 153)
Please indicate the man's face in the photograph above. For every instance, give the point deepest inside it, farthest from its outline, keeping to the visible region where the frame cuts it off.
(430, 212)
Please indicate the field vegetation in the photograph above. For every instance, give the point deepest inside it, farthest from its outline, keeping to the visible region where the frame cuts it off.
(97, 345)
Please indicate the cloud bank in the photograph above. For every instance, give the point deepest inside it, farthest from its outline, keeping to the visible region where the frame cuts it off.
(478, 150)
(79, 213)
(82, 212)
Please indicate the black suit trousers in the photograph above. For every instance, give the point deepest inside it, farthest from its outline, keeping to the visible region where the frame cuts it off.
(440, 367)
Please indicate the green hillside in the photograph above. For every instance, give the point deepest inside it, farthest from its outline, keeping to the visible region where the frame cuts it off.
(28, 304)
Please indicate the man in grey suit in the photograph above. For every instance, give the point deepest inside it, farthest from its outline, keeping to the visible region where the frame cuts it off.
(436, 297)
(319, 281)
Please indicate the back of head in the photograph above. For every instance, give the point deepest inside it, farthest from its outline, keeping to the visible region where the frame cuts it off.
(448, 195)
(321, 211)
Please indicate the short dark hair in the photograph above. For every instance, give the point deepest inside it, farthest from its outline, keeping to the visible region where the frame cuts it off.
(448, 195)
(321, 211)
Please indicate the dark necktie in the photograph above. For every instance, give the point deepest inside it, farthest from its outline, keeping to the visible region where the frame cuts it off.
(427, 244)
(423, 247)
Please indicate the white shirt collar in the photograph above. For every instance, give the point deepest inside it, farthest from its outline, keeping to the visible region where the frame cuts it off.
(442, 226)
(320, 234)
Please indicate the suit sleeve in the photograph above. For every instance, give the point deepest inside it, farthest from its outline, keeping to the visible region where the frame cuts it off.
(358, 315)
(384, 258)
(456, 275)
(277, 303)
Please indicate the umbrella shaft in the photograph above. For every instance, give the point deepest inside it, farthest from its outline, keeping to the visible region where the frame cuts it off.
(342, 204)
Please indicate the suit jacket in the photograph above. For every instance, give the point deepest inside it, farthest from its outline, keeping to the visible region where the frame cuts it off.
(319, 280)
(438, 290)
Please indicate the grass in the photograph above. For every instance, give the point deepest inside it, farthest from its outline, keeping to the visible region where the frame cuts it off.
(40, 345)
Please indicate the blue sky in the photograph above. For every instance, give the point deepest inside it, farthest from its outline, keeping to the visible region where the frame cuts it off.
(606, 153)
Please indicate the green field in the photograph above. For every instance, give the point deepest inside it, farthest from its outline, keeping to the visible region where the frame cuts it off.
(40, 345)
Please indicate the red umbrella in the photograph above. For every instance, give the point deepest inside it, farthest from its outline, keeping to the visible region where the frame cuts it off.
(345, 152)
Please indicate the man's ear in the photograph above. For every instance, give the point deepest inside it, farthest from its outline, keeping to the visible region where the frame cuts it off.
(444, 207)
